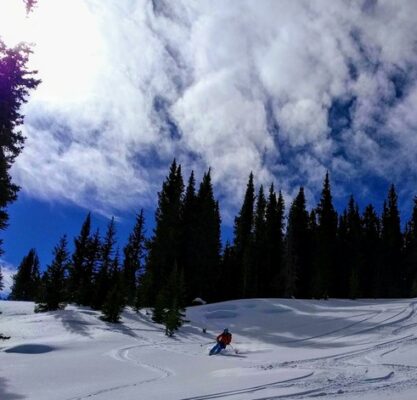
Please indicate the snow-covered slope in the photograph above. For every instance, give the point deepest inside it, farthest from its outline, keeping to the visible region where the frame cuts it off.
(281, 349)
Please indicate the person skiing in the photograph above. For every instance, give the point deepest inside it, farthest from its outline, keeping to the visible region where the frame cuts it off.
(222, 340)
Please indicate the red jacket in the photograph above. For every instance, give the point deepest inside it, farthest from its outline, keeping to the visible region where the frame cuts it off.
(224, 338)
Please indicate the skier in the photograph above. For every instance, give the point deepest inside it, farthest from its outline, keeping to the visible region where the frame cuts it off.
(223, 340)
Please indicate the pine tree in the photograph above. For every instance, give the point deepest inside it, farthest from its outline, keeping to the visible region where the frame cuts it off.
(115, 299)
(15, 85)
(189, 255)
(370, 278)
(206, 267)
(173, 316)
(85, 292)
(325, 253)
(26, 282)
(243, 230)
(410, 254)
(78, 270)
(354, 255)
(258, 271)
(133, 255)
(164, 247)
(296, 275)
(102, 282)
(53, 282)
(392, 241)
(1, 280)
(274, 251)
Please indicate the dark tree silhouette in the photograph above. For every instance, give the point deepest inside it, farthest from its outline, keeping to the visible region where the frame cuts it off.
(53, 294)
(26, 282)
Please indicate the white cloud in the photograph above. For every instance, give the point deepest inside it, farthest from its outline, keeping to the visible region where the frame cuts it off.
(224, 73)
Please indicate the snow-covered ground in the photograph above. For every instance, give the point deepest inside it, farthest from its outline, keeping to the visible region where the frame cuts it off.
(333, 349)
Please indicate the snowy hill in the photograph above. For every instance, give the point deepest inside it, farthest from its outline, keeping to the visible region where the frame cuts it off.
(282, 349)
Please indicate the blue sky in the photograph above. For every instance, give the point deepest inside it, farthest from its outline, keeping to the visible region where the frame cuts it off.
(285, 89)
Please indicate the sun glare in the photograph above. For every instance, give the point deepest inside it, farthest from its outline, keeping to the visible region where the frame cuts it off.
(68, 47)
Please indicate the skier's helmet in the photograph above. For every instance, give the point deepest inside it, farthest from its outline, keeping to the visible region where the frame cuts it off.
(226, 330)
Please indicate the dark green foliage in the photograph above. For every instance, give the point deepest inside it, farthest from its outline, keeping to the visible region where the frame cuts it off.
(175, 301)
(102, 280)
(243, 230)
(296, 275)
(325, 246)
(274, 249)
(53, 294)
(164, 247)
(1, 280)
(410, 253)
(26, 282)
(15, 84)
(189, 236)
(79, 274)
(206, 268)
(392, 274)
(115, 298)
(370, 277)
(257, 271)
(133, 255)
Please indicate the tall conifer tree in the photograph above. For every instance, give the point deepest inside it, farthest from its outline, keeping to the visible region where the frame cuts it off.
(78, 267)
(133, 255)
(370, 277)
(325, 250)
(164, 247)
(410, 254)
(26, 282)
(243, 230)
(296, 275)
(207, 266)
(258, 265)
(53, 282)
(102, 282)
(392, 273)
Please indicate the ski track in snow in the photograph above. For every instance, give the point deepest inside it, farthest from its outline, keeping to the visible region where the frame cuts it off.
(355, 371)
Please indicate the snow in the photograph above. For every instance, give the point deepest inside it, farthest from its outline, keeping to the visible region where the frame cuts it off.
(282, 348)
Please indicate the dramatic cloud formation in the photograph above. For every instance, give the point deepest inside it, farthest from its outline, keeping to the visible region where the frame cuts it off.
(286, 89)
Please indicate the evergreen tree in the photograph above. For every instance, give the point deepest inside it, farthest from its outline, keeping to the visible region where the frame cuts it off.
(370, 277)
(15, 84)
(392, 275)
(206, 269)
(275, 247)
(410, 254)
(354, 258)
(164, 247)
(102, 283)
(243, 230)
(325, 250)
(173, 316)
(1, 280)
(296, 275)
(115, 300)
(78, 270)
(258, 271)
(90, 264)
(26, 282)
(133, 255)
(53, 282)
(189, 255)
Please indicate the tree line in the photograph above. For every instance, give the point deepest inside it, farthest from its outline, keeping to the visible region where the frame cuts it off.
(301, 253)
